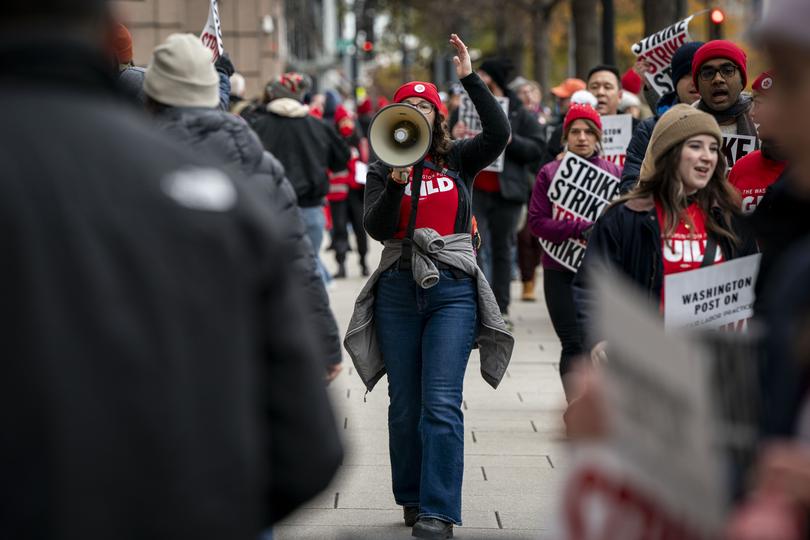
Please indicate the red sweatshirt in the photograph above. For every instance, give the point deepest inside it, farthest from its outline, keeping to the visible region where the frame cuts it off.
(752, 175)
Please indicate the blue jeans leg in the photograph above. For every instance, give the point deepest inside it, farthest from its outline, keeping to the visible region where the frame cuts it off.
(447, 340)
(399, 333)
(316, 223)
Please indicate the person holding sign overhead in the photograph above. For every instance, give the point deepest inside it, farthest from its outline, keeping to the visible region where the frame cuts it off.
(681, 216)
(582, 130)
(426, 304)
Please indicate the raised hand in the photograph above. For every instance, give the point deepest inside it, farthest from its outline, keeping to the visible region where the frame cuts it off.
(462, 58)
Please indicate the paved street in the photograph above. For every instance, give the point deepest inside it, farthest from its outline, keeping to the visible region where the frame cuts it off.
(513, 450)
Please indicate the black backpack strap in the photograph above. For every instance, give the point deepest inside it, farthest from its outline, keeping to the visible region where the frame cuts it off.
(407, 242)
(710, 254)
(447, 172)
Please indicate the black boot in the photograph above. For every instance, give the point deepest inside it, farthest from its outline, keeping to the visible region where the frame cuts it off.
(410, 513)
(341, 273)
(433, 529)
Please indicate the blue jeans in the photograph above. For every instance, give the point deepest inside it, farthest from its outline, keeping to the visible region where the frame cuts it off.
(425, 337)
(315, 223)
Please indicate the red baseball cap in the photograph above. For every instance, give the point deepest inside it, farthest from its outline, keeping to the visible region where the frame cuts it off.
(579, 111)
(764, 83)
(424, 90)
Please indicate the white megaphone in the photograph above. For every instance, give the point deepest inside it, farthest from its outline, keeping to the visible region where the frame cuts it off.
(400, 135)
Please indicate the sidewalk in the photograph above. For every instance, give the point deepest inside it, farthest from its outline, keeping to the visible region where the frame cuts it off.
(513, 449)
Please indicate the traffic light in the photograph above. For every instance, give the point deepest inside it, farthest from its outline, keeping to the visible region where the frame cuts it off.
(368, 48)
(716, 19)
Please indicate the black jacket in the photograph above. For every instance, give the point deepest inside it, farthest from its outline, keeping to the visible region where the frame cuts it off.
(628, 238)
(154, 383)
(637, 148)
(306, 146)
(227, 137)
(467, 157)
(523, 154)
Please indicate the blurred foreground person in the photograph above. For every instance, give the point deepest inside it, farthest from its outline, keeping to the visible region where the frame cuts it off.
(181, 89)
(582, 131)
(154, 383)
(427, 304)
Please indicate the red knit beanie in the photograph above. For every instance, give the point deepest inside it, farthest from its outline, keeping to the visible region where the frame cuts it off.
(424, 90)
(764, 83)
(632, 82)
(581, 112)
(719, 48)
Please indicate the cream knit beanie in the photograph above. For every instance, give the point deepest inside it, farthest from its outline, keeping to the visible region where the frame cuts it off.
(675, 126)
(182, 74)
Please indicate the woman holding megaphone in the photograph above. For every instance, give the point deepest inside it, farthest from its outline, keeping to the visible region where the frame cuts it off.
(427, 304)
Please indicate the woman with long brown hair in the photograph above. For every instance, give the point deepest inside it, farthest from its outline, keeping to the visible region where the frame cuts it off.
(682, 215)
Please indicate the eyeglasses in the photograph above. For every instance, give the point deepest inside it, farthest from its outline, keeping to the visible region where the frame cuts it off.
(423, 106)
(708, 73)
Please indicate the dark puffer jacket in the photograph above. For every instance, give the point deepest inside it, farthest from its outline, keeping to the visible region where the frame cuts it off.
(230, 139)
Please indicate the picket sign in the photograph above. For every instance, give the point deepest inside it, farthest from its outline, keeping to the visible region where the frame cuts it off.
(579, 190)
(658, 472)
(212, 32)
(658, 49)
(617, 130)
(735, 147)
(720, 296)
(469, 116)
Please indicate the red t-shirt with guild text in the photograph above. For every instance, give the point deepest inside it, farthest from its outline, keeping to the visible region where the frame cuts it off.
(438, 204)
(752, 175)
(683, 250)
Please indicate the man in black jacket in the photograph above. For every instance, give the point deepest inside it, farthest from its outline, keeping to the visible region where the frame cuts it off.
(306, 146)
(154, 380)
(499, 197)
(213, 132)
(685, 92)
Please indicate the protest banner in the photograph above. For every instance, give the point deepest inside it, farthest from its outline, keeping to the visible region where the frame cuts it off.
(658, 49)
(579, 190)
(617, 130)
(469, 116)
(657, 472)
(735, 147)
(212, 32)
(720, 296)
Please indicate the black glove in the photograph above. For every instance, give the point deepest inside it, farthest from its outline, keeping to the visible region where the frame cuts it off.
(224, 65)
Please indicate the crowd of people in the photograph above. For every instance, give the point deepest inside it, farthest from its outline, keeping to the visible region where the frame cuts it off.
(166, 311)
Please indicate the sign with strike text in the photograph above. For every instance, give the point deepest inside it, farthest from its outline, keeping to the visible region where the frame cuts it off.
(617, 130)
(212, 32)
(472, 120)
(720, 296)
(736, 147)
(579, 190)
(657, 472)
(658, 49)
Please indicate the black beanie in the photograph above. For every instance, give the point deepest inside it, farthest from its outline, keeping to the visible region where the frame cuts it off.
(499, 69)
(682, 60)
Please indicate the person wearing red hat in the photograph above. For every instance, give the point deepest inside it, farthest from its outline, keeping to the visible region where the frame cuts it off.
(427, 303)
(346, 198)
(754, 173)
(720, 73)
(582, 131)
(563, 94)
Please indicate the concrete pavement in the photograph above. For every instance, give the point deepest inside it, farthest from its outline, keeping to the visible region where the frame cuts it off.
(514, 455)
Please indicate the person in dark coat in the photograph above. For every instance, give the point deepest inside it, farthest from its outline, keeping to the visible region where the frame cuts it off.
(685, 92)
(499, 197)
(154, 380)
(306, 146)
(214, 132)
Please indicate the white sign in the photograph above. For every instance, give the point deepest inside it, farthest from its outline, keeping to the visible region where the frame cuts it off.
(469, 116)
(579, 190)
(617, 130)
(658, 472)
(212, 32)
(658, 49)
(735, 147)
(720, 296)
